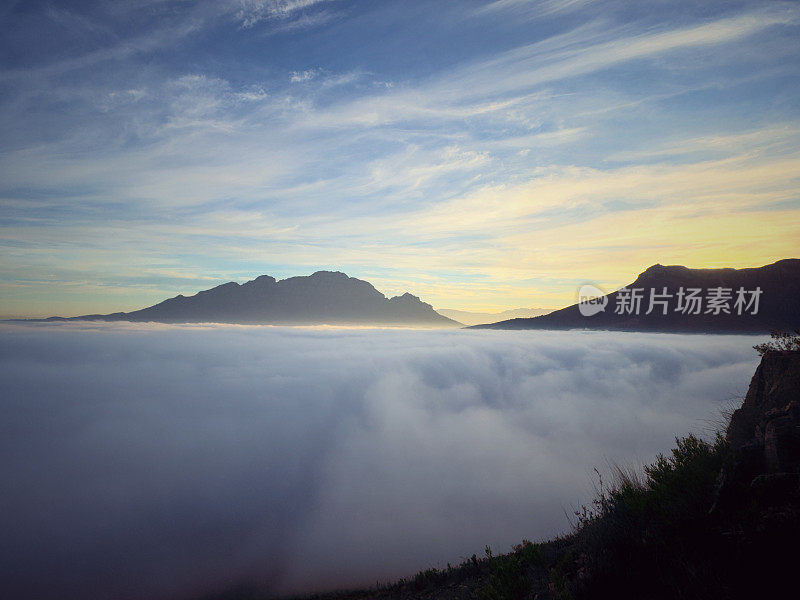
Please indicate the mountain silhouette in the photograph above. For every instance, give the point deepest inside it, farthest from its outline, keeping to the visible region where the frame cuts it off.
(480, 318)
(778, 303)
(325, 297)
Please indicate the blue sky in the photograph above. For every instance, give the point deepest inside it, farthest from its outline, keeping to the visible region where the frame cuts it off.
(482, 155)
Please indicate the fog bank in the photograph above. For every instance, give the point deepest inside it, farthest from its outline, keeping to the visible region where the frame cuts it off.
(158, 461)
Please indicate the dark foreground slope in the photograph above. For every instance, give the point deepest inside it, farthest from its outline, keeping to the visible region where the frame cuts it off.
(778, 303)
(322, 298)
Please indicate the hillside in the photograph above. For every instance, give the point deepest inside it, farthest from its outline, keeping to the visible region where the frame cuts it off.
(480, 318)
(322, 298)
(713, 310)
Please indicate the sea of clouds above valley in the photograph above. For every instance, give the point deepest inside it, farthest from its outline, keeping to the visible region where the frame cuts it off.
(161, 461)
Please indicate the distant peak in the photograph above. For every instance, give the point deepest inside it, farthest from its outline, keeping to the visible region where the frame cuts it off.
(406, 298)
(330, 274)
(263, 279)
(659, 268)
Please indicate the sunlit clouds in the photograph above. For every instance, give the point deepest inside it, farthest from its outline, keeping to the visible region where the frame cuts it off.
(495, 156)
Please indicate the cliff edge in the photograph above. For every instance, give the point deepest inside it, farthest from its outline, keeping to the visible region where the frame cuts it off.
(764, 437)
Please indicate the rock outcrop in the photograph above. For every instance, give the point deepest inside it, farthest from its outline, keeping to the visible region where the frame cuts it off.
(764, 436)
(769, 418)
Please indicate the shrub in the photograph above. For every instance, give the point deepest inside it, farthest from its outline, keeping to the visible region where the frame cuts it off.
(509, 574)
(654, 534)
(781, 342)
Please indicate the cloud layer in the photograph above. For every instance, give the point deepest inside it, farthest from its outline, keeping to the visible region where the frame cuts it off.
(165, 461)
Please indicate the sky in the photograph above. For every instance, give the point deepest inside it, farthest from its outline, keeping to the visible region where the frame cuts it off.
(171, 461)
(483, 155)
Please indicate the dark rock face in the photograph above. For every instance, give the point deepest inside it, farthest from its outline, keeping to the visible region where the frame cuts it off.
(779, 303)
(770, 415)
(322, 298)
(769, 418)
(764, 434)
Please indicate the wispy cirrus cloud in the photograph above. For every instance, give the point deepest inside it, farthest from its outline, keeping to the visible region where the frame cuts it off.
(526, 8)
(301, 76)
(274, 153)
(500, 82)
(252, 12)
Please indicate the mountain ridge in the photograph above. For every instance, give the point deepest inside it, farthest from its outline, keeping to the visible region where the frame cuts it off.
(325, 297)
(778, 304)
(480, 318)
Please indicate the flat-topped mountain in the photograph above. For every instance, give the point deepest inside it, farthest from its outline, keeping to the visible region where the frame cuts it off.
(325, 297)
(680, 299)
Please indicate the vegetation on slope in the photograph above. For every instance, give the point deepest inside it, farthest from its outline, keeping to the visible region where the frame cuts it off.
(655, 536)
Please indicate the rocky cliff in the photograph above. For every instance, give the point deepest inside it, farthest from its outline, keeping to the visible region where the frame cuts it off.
(769, 418)
(764, 436)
